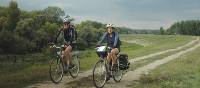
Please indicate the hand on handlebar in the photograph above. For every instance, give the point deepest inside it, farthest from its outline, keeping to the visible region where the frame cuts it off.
(111, 48)
(97, 45)
(74, 41)
(52, 45)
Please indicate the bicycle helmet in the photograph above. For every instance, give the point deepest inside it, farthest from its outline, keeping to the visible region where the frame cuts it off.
(66, 20)
(109, 25)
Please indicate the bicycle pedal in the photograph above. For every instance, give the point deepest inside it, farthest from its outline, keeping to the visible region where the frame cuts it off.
(65, 72)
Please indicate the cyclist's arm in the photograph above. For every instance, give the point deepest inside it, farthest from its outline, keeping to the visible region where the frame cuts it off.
(102, 39)
(116, 39)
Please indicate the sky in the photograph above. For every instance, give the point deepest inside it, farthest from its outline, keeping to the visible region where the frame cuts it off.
(136, 14)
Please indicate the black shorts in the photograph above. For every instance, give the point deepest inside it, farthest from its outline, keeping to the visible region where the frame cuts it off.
(73, 45)
(111, 49)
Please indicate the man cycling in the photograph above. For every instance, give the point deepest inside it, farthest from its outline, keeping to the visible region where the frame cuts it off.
(70, 36)
(112, 39)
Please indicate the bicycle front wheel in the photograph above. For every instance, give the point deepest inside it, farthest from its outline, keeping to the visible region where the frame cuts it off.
(56, 70)
(99, 74)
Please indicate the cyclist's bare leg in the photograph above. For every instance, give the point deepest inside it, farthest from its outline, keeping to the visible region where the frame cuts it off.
(63, 57)
(109, 59)
(68, 54)
(114, 56)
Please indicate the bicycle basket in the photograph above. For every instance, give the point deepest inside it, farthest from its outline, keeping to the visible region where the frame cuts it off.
(101, 51)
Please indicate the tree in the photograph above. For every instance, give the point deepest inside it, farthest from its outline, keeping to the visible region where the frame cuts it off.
(50, 30)
(3, 11)
(188, 27)
(162, 31)
(11, 43)
(3, 23)
(53, 14)
(26, 28)
(88, 36)
(89, 33)
(13, 15)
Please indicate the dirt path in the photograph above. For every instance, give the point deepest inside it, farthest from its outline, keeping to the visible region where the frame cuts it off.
(68, 79)
(162, 52)
(130, 76)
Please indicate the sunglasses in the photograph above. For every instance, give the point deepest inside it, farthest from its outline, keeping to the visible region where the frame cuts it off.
(109, 27)
(66, 23)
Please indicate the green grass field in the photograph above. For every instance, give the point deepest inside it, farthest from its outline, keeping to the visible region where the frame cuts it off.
(155, 43)
(35, 69)
(18, 74)
(180, 73)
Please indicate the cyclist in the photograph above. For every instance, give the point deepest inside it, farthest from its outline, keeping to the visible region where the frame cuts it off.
(69, 34)
(113, 42)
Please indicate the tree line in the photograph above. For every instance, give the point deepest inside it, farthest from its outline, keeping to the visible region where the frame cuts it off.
(24, 32)
(188, 27)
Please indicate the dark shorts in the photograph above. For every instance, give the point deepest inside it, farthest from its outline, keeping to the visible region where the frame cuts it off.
(72, 45)
(111, 49)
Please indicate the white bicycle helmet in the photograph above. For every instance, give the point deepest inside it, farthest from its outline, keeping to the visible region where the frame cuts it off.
(109, 25)
(66, 20)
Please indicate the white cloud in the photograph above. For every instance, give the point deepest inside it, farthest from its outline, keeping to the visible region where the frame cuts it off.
(144, 14)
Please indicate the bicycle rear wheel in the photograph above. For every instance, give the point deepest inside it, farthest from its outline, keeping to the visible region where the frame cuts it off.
(99, 74)
(56, 70)
(117, 73)
(75, 70)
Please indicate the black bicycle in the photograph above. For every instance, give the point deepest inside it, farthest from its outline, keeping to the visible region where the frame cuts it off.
(102, 68)
(58, 67)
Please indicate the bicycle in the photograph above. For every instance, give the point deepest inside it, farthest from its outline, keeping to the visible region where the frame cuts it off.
(102, 68)
(57, 66)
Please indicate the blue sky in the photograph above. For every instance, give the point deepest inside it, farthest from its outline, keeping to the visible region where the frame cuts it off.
(137, 14)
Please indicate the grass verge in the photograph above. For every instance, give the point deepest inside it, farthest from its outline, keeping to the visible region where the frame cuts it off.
(180, 73)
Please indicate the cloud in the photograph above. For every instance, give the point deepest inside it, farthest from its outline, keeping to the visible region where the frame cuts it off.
(147, 14)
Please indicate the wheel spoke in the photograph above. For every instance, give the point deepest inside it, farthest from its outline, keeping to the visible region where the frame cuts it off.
(99, 74)
(117, 74)
(75, 70)
(56, 71)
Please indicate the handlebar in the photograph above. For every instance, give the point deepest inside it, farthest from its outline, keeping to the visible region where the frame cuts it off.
(52, 45)
(102, 45)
